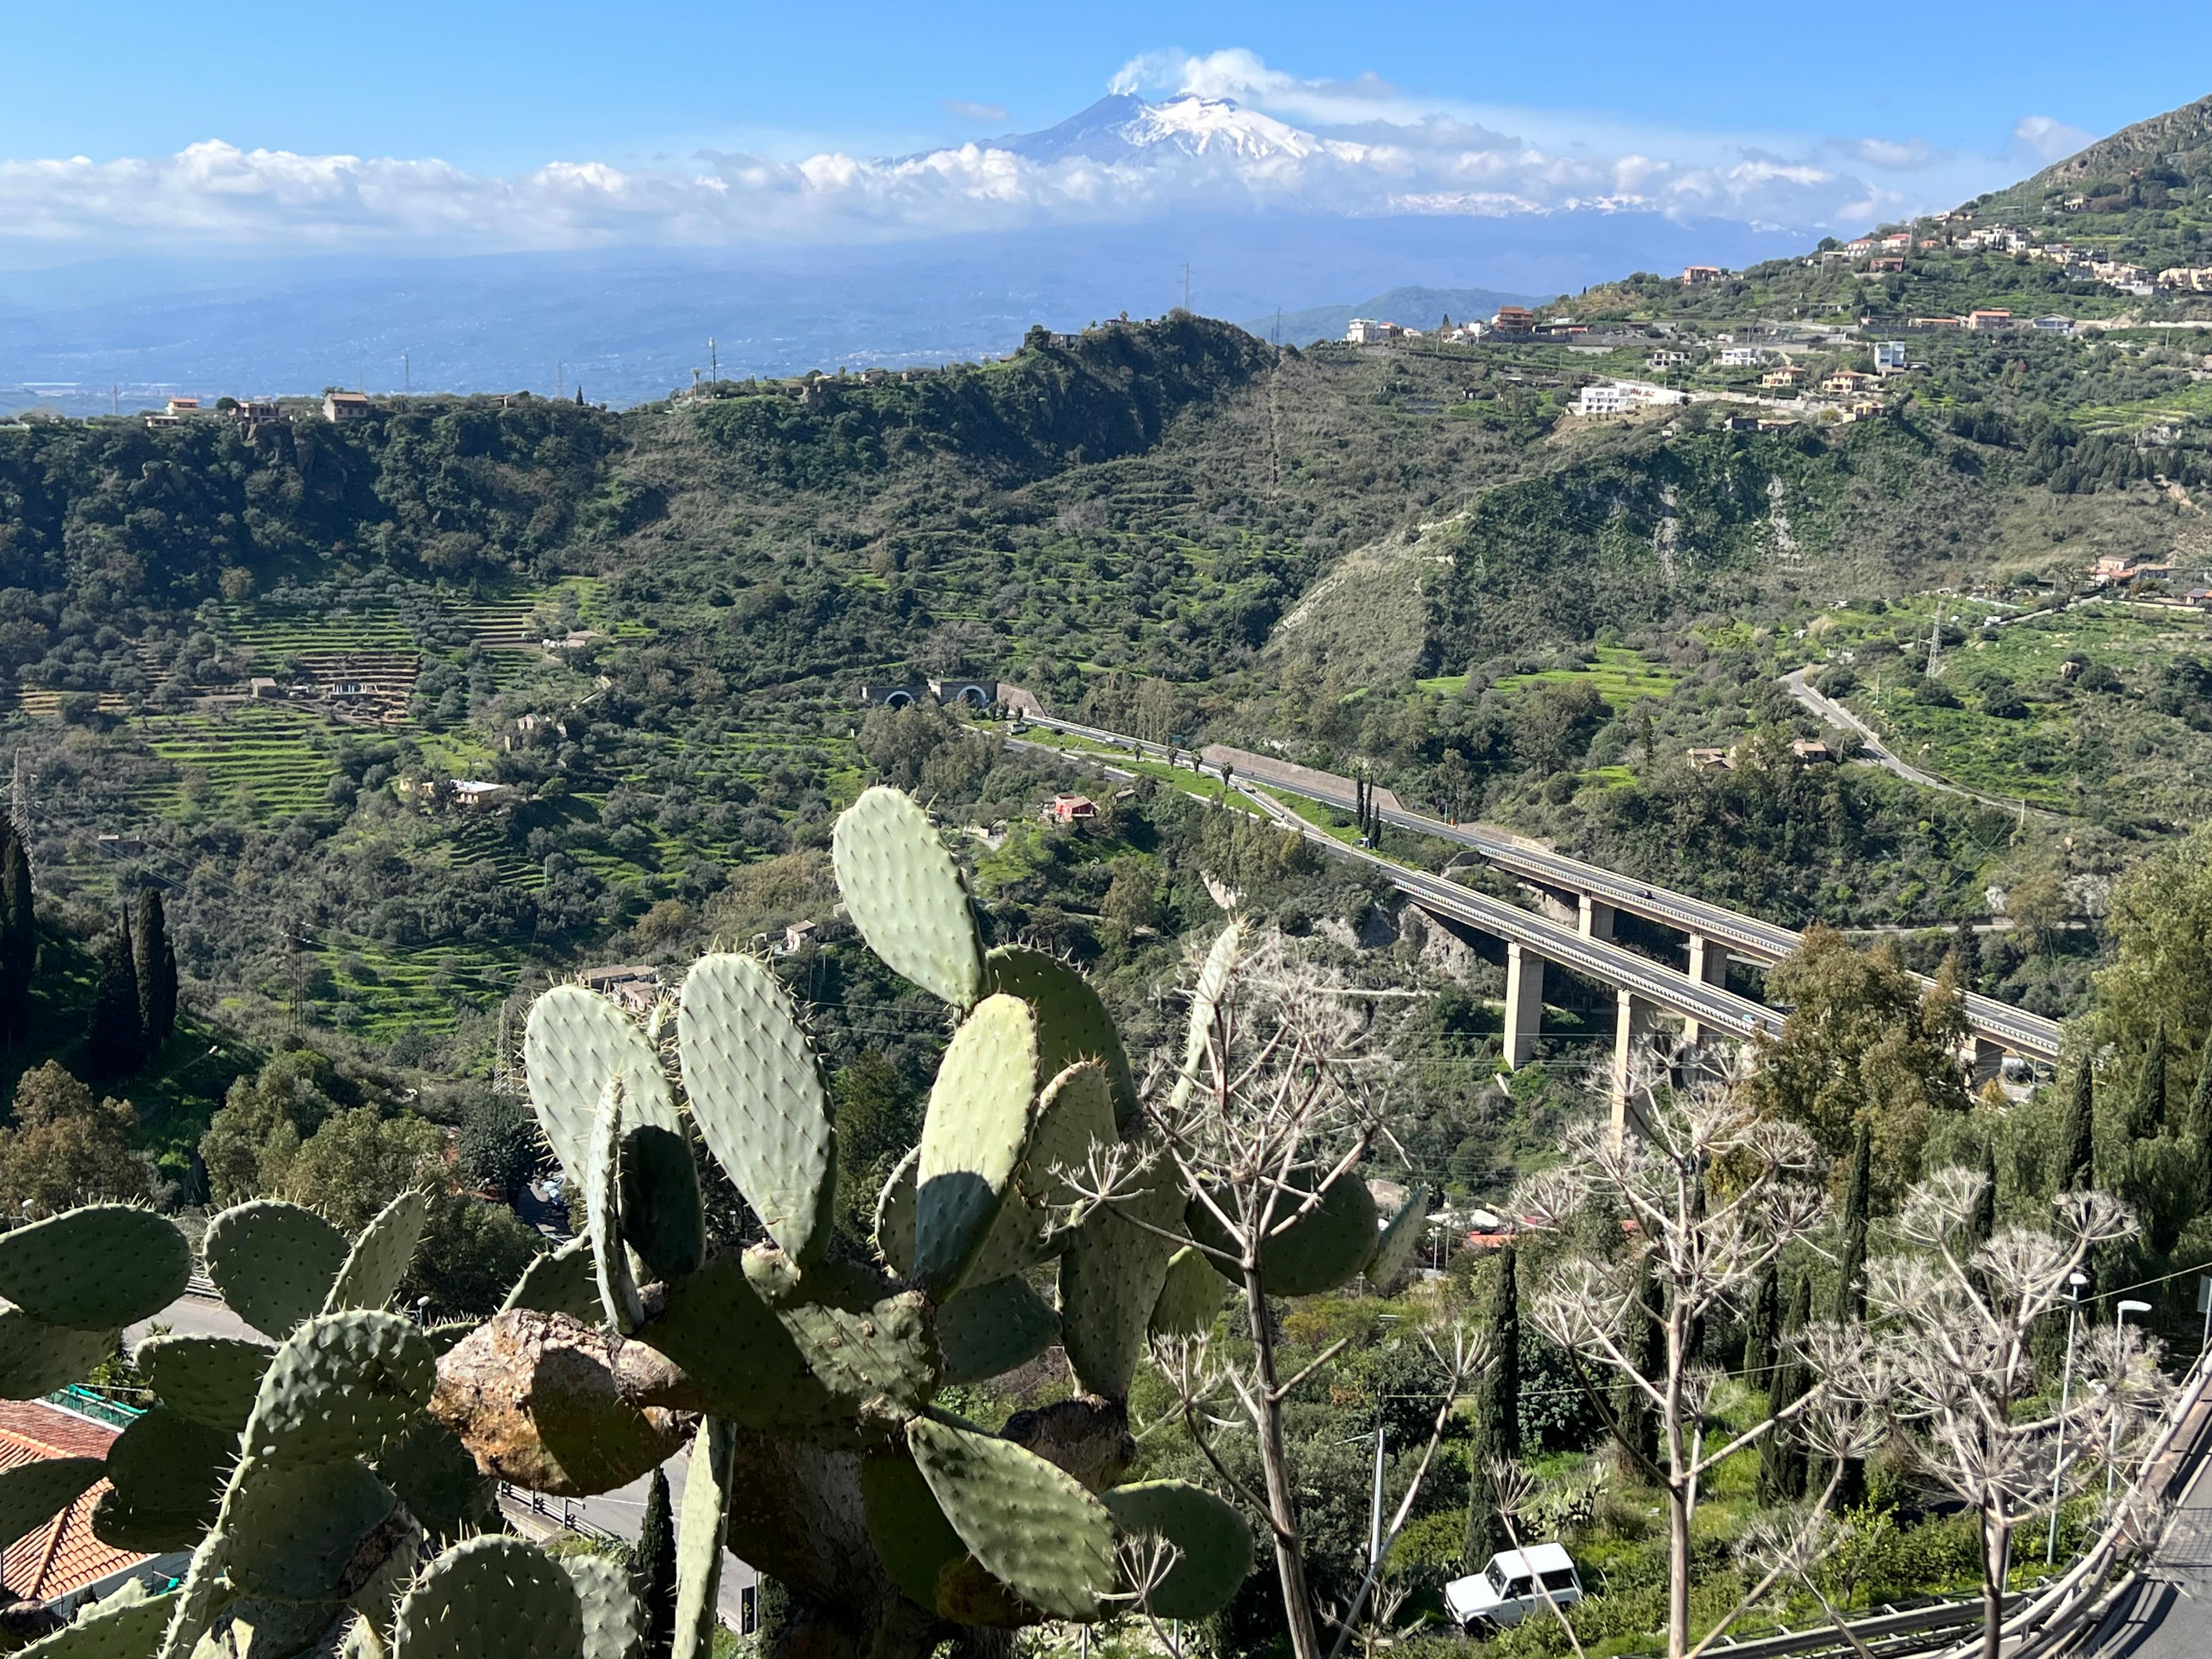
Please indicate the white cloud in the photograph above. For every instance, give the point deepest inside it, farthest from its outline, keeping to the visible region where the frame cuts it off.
(1897, 155)
(961, 110)
(1379, 149)
(2049, 140)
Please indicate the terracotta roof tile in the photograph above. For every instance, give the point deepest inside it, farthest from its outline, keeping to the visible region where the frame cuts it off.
(62, 1555)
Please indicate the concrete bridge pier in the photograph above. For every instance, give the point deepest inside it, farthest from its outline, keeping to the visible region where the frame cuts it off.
(1594, 917)
(1985, 1060)
(1709, 965)
(1524, 1004)
(1631, 1030)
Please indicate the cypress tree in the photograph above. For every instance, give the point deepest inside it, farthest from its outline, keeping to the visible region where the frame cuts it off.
(1647, 1346)
(1782, 1467)
(2147, 1116)
(2077, 1131)
(2199, 1126)
(1850, 1286)
(1850, 1292)
(1497, 1416)
(1763, 1328)
(1982, 1226)
(155, 960)
(19, 935)
(115, 1041)
(653, 1570)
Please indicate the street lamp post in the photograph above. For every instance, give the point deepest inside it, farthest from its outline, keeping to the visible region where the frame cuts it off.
(2075, 1281)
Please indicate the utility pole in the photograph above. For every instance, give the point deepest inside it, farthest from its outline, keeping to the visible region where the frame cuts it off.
(115, 400)
(1374, 1511)
(406, 375)
(1186, 285)
(713, 362)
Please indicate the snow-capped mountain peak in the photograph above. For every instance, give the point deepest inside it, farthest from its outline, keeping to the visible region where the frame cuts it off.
(1122, 127)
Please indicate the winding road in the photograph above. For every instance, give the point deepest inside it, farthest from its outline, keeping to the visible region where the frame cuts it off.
(1797, 683)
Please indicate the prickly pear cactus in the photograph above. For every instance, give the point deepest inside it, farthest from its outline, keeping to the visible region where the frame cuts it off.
(311, 1473)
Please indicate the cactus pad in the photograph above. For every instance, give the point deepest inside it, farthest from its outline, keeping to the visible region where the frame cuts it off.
(1215, 1542)
(490, 1598)
(564, 1281)
(306, 1533)
(576, 1043)
(95, 1268)
(700, 1535)
(1030, 1524)
(36, 1358)
(991, 1328)
(1191, 1296)
(729, 1341)
(1072, 1024)
(977, 1123)
(1394, 1248)
(125, 1624)
(923, 1555)
(756, 1094)
(378, 1261)
(32, 1494)
(1110, 1277)
(209, 1379)
(166, 1475)
(255, 1627)
(614, 1620)
(438, 1481)
(602, 1195)
(894, 1207)
(662, 1217)
(905, 894)
(1074, 1113)
(274, 1263)
(1325, 1247)
(341, 1386)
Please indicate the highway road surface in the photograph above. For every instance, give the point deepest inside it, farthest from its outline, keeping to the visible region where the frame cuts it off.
(1744, 936)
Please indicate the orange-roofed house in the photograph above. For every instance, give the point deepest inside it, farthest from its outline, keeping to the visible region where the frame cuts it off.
(60, 1559)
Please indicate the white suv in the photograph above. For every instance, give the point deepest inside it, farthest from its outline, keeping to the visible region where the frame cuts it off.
(1506, 1591)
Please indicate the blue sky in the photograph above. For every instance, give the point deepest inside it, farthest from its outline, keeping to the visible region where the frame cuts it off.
(694, 122)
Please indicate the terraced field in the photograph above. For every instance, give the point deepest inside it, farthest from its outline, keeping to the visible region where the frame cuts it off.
(380, 996)
(273, 632)
(1620, 675)
(262, 759)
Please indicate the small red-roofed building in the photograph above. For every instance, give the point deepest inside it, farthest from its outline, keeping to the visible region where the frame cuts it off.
(58, 1561)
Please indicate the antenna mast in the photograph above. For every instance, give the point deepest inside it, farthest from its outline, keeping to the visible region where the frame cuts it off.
(1186, 285)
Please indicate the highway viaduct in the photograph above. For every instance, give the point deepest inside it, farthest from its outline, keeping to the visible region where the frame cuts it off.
(1696, 993)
